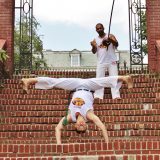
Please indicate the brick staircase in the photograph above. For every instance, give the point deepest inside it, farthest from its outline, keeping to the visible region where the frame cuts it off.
(27, 122)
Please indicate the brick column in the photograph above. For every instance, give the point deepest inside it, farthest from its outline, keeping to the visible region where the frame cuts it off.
(7, 29)
(153, 33)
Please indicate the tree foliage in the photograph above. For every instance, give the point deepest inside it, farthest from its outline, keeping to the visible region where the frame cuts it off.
(24, 45)
(4, 73)
(144, 32)
(3, 55)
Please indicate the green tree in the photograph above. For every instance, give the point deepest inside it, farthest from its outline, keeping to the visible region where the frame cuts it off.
(37, 44)
(4, 73)
(144, 32)
(3, 55)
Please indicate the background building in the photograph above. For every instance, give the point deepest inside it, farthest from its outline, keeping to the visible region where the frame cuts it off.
(80, 59)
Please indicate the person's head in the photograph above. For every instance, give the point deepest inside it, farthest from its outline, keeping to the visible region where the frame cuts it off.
(80, 125)
(100, 29)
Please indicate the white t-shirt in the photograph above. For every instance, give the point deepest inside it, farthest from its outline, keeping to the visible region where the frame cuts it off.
(86, 98)
(105, 56)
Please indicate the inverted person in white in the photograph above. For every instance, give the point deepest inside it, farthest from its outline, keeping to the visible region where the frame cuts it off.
(81, 105)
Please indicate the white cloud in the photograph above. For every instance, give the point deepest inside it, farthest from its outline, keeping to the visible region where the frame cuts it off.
(82, 15)
(85, 13)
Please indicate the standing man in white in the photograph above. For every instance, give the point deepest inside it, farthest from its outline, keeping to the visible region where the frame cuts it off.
(104, 47)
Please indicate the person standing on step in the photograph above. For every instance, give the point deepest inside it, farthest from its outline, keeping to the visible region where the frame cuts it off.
(105, 47)
(80, 108)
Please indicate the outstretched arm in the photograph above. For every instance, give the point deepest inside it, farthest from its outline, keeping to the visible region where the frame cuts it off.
(91, 116)
(59, 128)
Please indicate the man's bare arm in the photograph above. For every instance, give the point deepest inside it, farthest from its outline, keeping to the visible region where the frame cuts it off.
(113, 40)
(94, 46)
(91, 116)
(58, 130)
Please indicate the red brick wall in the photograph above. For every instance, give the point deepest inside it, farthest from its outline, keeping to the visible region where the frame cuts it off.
(153, 33)
(7, 28)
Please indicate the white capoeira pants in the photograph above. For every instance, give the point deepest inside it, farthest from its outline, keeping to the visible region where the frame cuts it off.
(76, 83)
(91, 84)
(113, 71)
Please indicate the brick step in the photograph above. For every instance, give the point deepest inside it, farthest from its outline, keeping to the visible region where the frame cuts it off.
(50, 120)
(99, 107)
(110, 126)
(63, 93)
(52, 140)
(65, 101)
(89, 134)
(149, 85)
(57, 113)
(137, 90)
(39, 94)
(38, 97)
(18, 86)
(92, 157)
(35, 91)
(61, 96)
(70, 73)
(81, 74)
(111, 148)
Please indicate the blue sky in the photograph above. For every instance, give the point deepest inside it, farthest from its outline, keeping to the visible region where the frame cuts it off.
(70, 24)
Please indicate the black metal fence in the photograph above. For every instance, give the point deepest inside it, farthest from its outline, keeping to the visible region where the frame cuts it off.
(24, 18)
(137, 32)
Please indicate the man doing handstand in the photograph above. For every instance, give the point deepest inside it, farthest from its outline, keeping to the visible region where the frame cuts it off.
(81, 105)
